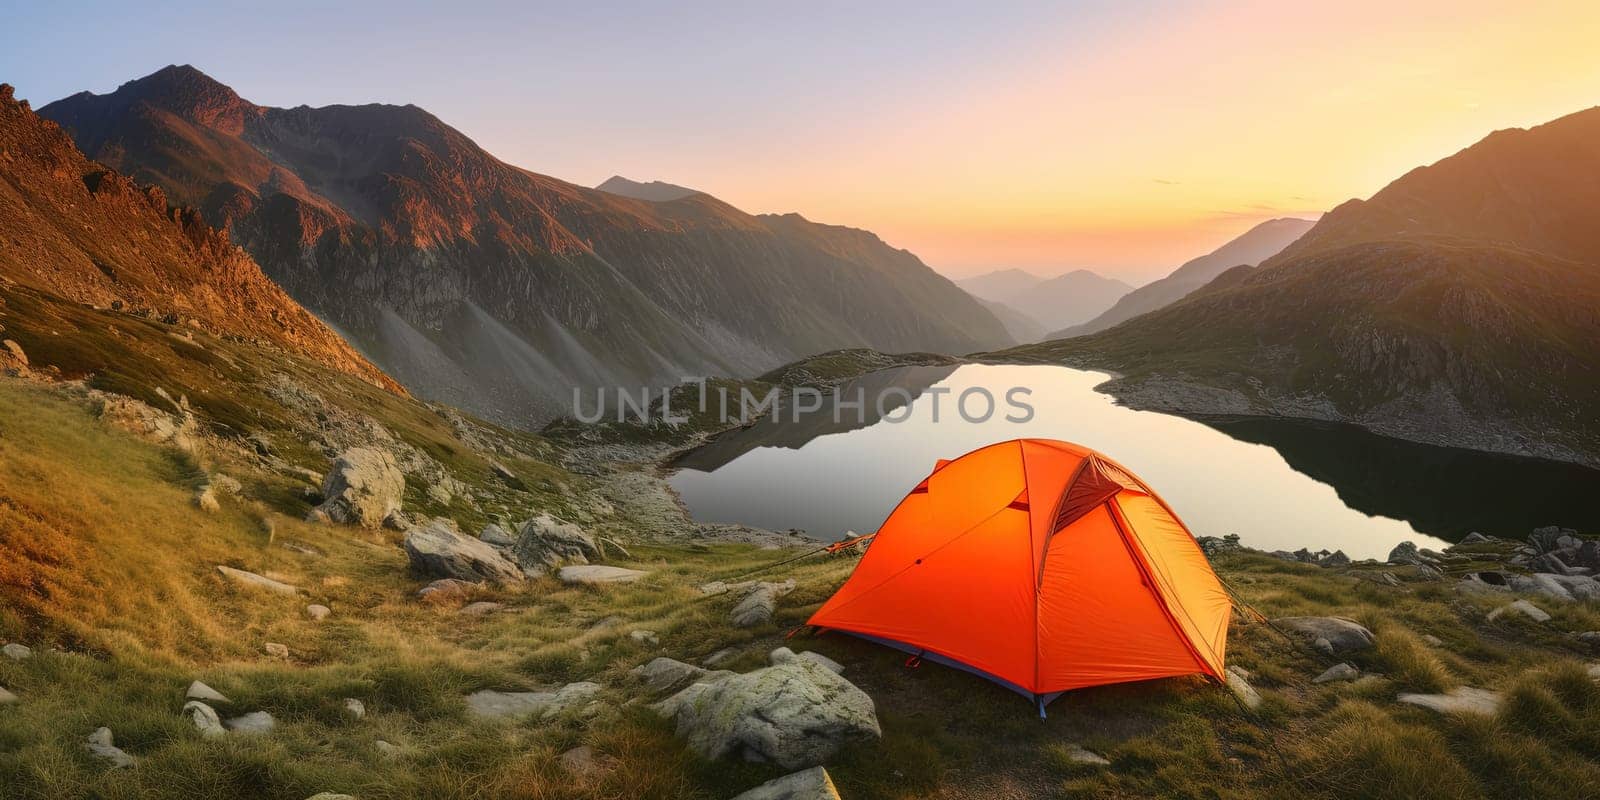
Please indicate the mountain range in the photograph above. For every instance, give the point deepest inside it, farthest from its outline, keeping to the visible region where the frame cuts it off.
(1254, 246)
(654, 191)
(1052, 303)
(1455, 306)
(496, 289)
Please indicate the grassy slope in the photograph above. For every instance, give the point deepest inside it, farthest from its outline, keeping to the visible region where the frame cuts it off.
(106, 559)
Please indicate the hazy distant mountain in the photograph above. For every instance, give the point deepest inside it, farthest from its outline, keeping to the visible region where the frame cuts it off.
(1457, 306)
(1000, 285)
(1053, 303)
(497, 289)
(1022, 327)
(654, 191)
(77, 231)
(1250, 248)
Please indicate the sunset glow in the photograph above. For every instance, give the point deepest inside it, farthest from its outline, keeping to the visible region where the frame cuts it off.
(1124, 138)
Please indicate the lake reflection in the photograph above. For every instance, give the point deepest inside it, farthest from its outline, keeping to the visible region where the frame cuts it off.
(1272, 482)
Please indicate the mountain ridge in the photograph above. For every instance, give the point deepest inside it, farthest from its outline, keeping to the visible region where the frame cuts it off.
(498, 289)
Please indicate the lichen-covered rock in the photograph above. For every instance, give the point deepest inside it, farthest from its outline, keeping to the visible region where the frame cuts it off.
(1337, 672)
(796, 714)
(598, 574)
(526, 704)
(759, 604)
(254, 581)
(1343, 635)
(253, 722)
(809, 784)
(363, 488)
(101, 745)
(497, 536)
(662, 674)
(439, 550)
(204, 693)
(545, 543)
(204, 718)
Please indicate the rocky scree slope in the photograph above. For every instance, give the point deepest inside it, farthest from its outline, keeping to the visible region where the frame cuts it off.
(497, 289)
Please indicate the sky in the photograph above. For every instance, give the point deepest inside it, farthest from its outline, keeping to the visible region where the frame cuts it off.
(1122, 137)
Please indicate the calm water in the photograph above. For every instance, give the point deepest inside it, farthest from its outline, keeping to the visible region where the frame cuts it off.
(1278, 484)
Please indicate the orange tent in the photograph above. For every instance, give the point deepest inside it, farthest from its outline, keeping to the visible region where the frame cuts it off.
(1043, 566)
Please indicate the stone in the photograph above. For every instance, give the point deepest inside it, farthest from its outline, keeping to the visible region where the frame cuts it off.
(1587, 555)
(1077, 754)
(596, 574)
(438, 550)
(445, 589)
(583, 762)
(206, 500)
(495, 535)
(355, 708)
(1522, 607)
(101, 745)
(1241, 688)
(647, 638)
(808, 784)
(545, 543)
(797, 714)
(363, 487)
(204, 718)
(6, 698)
(1405, 553)
(1488, 582)
(1431, 640)
(526, 704)
(318, 612)
(276, 650)
(1474, 538)
(204, 693)
(1337, 672)
(1335, 559)
(482, 608)
(253, 722)
(1551, 562)
(1591, 638)
(1429, 572)
(17, 652)
(784, 654)
(387, 749)
(1548, 538)
(661, 674)
(1564, 588)
(1343, 635)
(1462, 700)
(251, 580)
(760, 604)
(439, 494)
(720, 656)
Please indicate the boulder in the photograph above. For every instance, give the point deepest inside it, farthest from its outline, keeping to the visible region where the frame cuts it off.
(646, 638)
(1551, 562)
(1591, 638)
(1406, 553)
(1335, 559)
(1548, 538)
(1475, 538)
(16, 652)
(545, 543)
(809, 784)
(318, 612)
(1522, 607)
(495, 535)
(438, 550)
(797, 714)
(720, 656)
(1241, 688)
(596, 574)
(1343, 635)
(363, 487)
(1337, 672)
(1488, 582)
(204, 693)
(253, 722)
(482, 608)
(101, 745)
(526, 704)
(204, 718)
(253, 581)
(276, 650)
(759, 604)
(784, 654)
(1587, 555)
(445, 589)
(1565, 588)
(355, 708)
(662, 674)
(1462, 700)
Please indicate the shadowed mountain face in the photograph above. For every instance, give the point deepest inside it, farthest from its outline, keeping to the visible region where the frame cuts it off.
(1250, 248)
(1050, 302)
(497, 289)
(77, 231)
(1457, 306)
